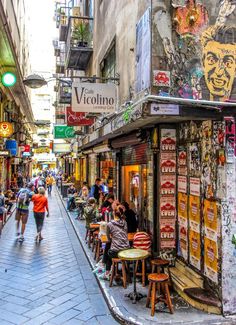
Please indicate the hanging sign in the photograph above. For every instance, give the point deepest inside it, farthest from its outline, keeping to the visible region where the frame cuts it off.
(42, 150)
(77, 118)
(93, 97)
(63, 132)
(6, 129)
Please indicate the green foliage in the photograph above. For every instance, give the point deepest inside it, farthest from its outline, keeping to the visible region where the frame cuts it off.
(81, 32)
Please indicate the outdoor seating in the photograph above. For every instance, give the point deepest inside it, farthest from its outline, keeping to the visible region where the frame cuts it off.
(114, 271)
(160, 282)
(159, 265)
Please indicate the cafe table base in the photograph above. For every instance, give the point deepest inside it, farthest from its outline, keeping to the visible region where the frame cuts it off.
(135, 296)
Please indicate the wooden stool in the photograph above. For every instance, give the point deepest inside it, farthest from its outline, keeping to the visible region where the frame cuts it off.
(143, 272)
(159, 265)
(94, 237)
(114, 271)
(160, 280)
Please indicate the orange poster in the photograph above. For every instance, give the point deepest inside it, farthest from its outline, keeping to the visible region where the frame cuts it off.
(183, 237)
(195, 248)
(210, 219)
(194, 212)
(182, 205)
(211, 259)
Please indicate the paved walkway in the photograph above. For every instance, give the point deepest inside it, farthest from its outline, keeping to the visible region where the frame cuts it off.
(51, 282)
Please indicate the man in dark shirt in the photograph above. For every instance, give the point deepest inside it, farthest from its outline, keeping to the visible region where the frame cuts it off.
(96, 190)
(130, 218)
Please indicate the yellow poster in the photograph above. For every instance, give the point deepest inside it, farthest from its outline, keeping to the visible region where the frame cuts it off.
(210, 219)
(182, 205)
(194, 213)
(211, 259)
(195, 248)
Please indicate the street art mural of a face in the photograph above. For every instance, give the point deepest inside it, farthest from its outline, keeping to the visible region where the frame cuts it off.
(201, 58)
(219, 63)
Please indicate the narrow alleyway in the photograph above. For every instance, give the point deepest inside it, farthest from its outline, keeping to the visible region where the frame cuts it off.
(51, 282)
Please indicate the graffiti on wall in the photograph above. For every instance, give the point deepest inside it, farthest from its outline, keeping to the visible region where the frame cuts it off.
(200, 56)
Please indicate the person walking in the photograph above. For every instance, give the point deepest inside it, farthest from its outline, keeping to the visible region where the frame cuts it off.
(22, 209)
(49, 182)
(40, 202)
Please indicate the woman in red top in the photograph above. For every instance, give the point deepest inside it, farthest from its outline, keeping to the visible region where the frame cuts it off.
(40, 202)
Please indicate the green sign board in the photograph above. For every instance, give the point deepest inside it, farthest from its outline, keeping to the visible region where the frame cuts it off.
(63, 132)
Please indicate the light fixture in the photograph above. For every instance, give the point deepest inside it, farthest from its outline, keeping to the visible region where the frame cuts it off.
(8, 79)
(34, 81)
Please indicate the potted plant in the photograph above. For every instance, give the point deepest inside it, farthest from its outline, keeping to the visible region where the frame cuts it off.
(81, 34)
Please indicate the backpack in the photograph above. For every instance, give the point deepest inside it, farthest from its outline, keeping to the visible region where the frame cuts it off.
(23, 197)
(142, 240)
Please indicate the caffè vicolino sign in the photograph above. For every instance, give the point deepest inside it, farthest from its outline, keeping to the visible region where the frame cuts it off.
(93, 97)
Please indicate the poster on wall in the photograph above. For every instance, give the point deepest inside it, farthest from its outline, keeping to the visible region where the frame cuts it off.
(183, 237)
(210, 219)
(168, 162)
(182, 205)
(182, 161)
(167, 231)
(195, 186)
(194, 159)
(143, 52)
(168, 139)
(167, 207)
(195, 249)
(194, 213)
(218, 134)
(211, 259)
(182, 184)
(168, 184)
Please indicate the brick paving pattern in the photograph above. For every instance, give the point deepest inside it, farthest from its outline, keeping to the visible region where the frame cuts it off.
(51, 282)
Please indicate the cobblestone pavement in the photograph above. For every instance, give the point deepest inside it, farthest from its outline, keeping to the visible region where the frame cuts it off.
(51, 282)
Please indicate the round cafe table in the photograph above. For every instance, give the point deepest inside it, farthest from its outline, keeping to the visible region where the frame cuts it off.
(134, 255)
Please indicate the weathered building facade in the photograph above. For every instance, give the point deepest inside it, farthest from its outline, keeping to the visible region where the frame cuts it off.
(170, 148)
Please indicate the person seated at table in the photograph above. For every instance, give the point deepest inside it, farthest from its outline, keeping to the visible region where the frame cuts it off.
(91, 212)
(84, 191)
(118, 236)
(8, 200)
(71, 192)
(130, 217)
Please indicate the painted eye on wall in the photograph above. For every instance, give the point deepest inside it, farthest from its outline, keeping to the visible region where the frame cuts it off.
(211, 59)
(228, 62)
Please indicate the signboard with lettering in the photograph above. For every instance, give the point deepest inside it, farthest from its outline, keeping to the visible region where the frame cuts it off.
(77, 118)
(4, 153)
(6, 129)
(63, 132)
(61, 147)
(92, 97)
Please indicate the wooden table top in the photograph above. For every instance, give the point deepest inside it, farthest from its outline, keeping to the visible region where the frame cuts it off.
(104, 238)
(133, 254)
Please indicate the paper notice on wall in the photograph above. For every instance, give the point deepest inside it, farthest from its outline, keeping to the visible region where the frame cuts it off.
(210, 219)
(194, 186)
(182, 161)
(211, 259)
(168, 139)
(167, 231)
(183, 237)
(182, 205)
(168, 184)
(167, 208)
(194, 213)
(182, 184)
(195, 249)
(168, 162)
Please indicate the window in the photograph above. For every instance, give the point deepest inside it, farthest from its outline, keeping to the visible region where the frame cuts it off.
(108, 65)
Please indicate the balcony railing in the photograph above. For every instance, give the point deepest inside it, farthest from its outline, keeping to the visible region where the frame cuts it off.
(64, 94)
(79, 42)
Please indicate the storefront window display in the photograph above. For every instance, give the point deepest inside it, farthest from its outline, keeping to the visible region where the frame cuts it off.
(107, 171)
